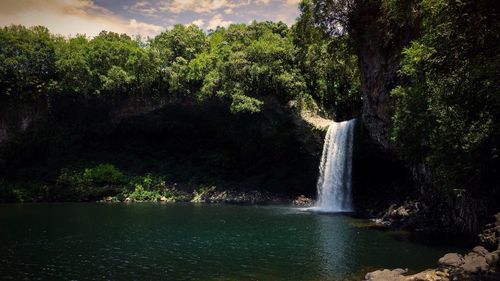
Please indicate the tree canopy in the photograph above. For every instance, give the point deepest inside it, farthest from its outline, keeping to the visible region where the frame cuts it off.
(244, 65)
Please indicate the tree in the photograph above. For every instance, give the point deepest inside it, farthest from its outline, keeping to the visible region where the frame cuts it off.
(378, 30)
(248, 63)
(328, 64)
(447, 114)
(28, 61)
(181, 41)
(74, 72)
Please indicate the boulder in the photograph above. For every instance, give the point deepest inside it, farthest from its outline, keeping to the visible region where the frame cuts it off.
(303, 201)
(429, 275)
(490, 237)
(493, 258)
(398, 275)
(474, 263)
(386, 275)
(480, 250)
(451, 260)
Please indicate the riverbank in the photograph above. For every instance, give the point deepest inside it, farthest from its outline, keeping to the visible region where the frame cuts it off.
(208, 194)
(481, 263)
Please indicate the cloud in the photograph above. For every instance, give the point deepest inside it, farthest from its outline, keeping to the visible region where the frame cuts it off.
(71, 17)
(200, 6)
(291, 2)
(198, 22)
(144, 17)
(143, 7)
(217, 21)
(139, 27)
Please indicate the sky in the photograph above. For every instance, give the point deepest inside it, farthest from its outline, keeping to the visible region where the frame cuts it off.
(141, 17)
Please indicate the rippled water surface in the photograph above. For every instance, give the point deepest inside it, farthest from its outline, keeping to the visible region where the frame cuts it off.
(196, 242)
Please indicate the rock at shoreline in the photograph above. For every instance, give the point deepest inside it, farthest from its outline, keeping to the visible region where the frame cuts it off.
(474, 263)
(386, 275)
(398, 275)
(478, 264)
(303, 201)
(490, 237)
(399, 216)
(451, 260)
(493, 259)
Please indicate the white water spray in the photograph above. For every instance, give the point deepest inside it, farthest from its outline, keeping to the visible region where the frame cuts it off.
(335, 170)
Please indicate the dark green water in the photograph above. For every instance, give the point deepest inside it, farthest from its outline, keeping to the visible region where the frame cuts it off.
(196, 242)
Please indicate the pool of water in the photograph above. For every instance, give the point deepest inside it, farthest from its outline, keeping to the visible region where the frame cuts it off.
(198, 242)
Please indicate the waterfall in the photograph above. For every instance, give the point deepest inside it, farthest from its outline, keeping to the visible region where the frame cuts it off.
(335, 169)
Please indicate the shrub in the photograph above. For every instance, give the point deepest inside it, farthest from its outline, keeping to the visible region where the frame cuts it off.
(147, 188)
(99, 175)
(104, 174)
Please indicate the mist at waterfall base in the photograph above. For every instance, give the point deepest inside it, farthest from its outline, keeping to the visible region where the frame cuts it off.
(335, 169)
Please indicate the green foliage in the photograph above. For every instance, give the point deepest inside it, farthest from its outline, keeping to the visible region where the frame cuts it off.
(103, 174)
(328, 64)
(447, 115)
(247, 63)
(116, 80)
(445, 100)
(151, 188)
(89, 183)
(99, 175)
(27, 57)
(146, 188)
(243, 65)
(247, 70)
(16, 193)
(181, 41)
(72, 66)
(242, 103)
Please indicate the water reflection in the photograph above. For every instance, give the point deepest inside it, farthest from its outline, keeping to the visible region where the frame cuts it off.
(191, 242)
(335, 240)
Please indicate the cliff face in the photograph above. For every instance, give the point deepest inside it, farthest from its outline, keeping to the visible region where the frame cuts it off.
(182, 139)
(377, 74)
(379, 40)
(18, 116)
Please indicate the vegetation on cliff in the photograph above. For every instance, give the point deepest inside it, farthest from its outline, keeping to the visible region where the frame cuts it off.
(229, 101)
(429, 71)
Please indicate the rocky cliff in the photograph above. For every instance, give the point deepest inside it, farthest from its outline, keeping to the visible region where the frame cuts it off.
(379, 40)
(21, 115)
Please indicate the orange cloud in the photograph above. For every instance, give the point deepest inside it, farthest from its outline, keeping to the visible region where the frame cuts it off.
(71, 17)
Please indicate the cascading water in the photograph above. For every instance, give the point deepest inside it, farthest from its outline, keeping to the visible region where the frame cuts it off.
(335, 170)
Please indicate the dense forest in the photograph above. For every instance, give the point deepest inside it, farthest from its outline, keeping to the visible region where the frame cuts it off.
(81, 118)
(218, 90)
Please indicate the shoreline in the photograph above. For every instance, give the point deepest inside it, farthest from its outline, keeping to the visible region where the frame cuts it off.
(480, 263)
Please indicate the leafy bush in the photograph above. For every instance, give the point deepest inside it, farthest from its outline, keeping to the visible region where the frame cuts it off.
(16, 193)
(147, 188)
(104, 174)
(99, 175)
